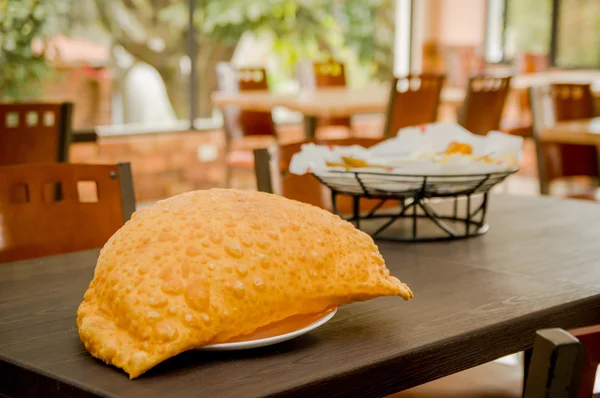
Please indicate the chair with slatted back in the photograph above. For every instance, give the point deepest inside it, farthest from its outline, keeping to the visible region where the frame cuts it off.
(244, 130)
(272, 175)
(560, 102)
(328, 74)
(94, 201)
(35, 132)
(482, 108)
(563, 364)
(414, 100)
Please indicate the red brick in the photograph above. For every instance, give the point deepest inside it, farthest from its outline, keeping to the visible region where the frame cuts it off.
(167, 143)
(182, 160)
(191, 141)
(196, 174)
(143, 146)
(153, 164)
(176, 187)
(216, 172)
(113, 149)
(148, 188)
(83, 152)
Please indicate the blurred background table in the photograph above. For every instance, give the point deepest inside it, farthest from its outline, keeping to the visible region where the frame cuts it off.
(324, 102)
(581, 131)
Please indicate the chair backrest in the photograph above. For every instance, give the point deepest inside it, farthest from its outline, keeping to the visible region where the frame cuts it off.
(35, 132)
(271, 168)
(572, 101)
(563, 364)
(48, 209)
(413, 100)
(329, 74)
(549, 105)
(483, 105)
(239, 123)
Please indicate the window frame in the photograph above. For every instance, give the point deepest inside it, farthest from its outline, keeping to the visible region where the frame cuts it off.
(554, 33)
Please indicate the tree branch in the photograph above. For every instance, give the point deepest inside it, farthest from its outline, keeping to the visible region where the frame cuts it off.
(106, 11)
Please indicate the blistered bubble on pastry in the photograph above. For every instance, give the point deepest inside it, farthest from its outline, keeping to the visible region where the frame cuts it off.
(207, 266)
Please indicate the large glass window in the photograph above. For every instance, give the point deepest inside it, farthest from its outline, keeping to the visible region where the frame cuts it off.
(565, 31)
(578, 34)
(528, 27)
(517, 27)
(127, 64)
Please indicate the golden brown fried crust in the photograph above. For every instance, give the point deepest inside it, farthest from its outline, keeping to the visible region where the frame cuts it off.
(206, 266)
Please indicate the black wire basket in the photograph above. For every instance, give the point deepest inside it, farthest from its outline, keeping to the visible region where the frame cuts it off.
(414, 208)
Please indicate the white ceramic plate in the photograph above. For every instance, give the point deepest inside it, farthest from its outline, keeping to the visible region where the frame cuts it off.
(245, 345)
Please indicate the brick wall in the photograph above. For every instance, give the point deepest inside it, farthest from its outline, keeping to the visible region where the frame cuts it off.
(167, 164)
(162, 164)
(91, 97)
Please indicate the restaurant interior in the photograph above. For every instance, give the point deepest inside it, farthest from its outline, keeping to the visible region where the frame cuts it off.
(491, 109)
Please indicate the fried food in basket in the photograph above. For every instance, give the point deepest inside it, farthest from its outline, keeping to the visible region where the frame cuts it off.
(458, 148)
(205, 267)
(354, 162)
(349, 163)
(334, 164)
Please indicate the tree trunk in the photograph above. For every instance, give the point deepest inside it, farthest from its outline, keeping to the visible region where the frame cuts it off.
(176, 85)
(206, 84)
(206, 79)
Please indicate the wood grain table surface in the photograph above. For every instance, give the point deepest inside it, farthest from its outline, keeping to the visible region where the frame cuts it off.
(373, 98)
(582, 131)
(324, 102)
(475, 300)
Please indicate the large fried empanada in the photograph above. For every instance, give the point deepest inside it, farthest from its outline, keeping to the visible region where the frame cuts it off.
(207, 266)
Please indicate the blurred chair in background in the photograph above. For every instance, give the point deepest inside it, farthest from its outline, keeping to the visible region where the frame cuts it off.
(328, 74)
(94, 201)
(559, 102)
(529, 62)
(414, 100)
(482, 109)
(572, 101)
(521, 122)
(244, 130)
(272, 175)
(461, 62)
(564, 364)
(35, 132)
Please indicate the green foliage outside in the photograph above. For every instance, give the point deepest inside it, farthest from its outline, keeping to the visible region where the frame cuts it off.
(529, 25)
(579, 40)
(155, 32)
(21, 21)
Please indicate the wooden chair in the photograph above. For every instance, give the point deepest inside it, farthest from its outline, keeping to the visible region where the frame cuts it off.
(271, 169)
(563, 365)
(329, 74)
(558, 102)
(483, 105)
(93, 202)
(244, 130)
(414, 100)
(35, 132)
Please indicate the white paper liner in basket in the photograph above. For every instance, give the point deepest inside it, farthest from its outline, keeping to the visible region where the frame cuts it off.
(415, 151)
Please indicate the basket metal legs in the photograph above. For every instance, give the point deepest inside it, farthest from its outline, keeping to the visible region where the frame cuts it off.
(420, 210)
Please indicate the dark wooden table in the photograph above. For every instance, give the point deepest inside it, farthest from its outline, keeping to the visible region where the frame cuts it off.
(476, 300)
